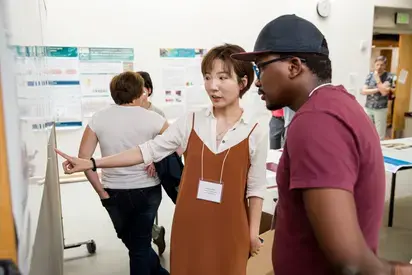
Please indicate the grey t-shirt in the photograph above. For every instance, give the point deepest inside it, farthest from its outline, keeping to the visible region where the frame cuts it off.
(377, 100)
(120, 128)
(157, 110)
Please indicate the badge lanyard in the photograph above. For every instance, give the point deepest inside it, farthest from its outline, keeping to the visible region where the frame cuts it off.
(223, 164)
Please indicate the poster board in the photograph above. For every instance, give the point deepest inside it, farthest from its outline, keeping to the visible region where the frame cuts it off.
(97, 67)
(68, 83)
(63, 85)
(182, 80)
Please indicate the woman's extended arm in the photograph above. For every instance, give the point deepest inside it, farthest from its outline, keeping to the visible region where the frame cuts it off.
(153, 150)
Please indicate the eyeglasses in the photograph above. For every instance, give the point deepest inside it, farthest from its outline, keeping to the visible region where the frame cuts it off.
(259, 67)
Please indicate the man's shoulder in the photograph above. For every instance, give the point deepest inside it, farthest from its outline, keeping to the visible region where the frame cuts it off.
(306, 121)
(330, 99)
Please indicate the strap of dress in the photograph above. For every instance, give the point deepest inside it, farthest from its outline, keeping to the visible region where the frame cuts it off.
(252, 129)
(193, 121)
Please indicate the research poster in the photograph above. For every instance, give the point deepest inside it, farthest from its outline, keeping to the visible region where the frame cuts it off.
(33, 91)
(182, 79)
(97, 68)
(99, 65)
(66, 84)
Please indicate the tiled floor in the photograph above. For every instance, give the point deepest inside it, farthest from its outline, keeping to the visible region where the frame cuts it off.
(84, 219)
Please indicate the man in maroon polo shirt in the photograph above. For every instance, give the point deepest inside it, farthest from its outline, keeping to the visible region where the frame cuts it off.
(331, 176)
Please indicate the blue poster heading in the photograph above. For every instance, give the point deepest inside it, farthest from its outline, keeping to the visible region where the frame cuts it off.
(182, 52)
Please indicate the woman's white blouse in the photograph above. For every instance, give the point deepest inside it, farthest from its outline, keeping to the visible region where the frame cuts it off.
(177, 135)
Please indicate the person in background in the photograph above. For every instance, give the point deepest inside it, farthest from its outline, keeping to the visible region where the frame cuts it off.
(276, 129)
(331, 177)
(288, 115)
(218, 210)
(148, 91)
(130, 195)
(158, 232)
(377, 88)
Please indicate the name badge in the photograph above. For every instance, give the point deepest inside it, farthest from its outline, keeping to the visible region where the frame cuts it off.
(210, 191)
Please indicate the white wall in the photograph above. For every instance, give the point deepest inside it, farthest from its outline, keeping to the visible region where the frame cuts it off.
(149, 25)
(406, 4)
(384, 21)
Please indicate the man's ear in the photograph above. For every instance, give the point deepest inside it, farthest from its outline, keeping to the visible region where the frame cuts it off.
(295, 67)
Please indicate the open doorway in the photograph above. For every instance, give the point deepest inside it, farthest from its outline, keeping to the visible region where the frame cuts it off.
(392, 45)
(387, 46)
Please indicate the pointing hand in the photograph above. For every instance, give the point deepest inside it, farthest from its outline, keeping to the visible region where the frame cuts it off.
(73, 164)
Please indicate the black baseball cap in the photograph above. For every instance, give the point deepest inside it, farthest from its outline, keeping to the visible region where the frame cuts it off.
(287, 34)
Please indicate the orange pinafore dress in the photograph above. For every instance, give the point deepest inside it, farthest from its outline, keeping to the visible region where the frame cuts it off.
(210, 238)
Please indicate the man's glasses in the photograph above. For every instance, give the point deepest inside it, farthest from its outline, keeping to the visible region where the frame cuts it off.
(259, 67)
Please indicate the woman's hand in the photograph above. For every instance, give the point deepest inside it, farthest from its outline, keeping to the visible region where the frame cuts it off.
(377, 77)
(73, 164)
(255, 245)
(151, 170)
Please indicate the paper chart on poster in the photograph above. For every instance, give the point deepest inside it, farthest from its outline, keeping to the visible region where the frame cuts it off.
(91, 105)
(182, 79)
(99, 65)
(46, 76)
(64, 85)
(57, 75)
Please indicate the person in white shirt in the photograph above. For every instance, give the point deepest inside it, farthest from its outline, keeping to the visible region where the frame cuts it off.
(130, 195)
(218, 210)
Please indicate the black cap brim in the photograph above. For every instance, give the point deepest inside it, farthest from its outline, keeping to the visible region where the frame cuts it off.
(249, 56)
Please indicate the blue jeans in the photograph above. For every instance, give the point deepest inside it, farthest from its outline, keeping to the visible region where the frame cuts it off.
(132, 212)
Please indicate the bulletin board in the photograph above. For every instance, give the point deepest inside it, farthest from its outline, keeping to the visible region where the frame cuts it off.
(182, 80)
(65, 86)
(74, 82)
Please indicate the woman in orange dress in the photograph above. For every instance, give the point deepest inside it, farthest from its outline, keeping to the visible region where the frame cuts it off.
(216, 222)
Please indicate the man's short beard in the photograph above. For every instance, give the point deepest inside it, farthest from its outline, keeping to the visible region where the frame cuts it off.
(273, 106)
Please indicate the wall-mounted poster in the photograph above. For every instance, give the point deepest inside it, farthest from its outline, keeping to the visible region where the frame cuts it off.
(99, 65)
(60, 82)
(182, 78)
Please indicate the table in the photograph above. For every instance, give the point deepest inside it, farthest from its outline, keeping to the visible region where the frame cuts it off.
(262, 263)
(397, 156)
(272, 162)
(271, 196)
